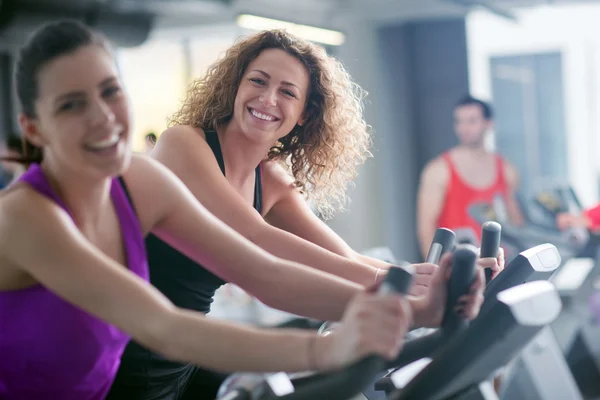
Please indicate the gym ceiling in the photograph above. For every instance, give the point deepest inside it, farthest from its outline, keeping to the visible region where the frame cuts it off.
(129, 22)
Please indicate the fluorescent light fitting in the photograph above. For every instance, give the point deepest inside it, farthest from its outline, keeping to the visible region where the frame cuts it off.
(320, 35)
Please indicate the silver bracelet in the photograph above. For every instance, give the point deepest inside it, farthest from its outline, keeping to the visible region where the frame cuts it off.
(377, 274)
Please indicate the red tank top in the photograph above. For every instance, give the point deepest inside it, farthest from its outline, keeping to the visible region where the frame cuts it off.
(460, 196)
(593, 215)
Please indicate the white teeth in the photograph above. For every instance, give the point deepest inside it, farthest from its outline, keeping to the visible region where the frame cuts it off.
(103, 144)
(262, 116)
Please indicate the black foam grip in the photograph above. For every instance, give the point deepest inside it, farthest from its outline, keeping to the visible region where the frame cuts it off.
(461, 278)
(491, 233)
(443, 242)
(399, 279)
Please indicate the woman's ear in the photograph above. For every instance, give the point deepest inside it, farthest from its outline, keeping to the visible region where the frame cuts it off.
(304, 117)
(30, 129)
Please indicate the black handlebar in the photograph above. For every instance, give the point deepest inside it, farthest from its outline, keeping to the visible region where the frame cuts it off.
(443, 242)
(463, 272)
(461, 279)
(346, 383)
(398, 280)
(490, 243)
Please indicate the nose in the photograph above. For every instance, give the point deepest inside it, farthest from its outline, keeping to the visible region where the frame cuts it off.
(268, 98)
(101, 113)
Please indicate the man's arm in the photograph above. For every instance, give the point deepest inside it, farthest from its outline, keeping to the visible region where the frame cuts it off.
(430, 201)
(512, 206)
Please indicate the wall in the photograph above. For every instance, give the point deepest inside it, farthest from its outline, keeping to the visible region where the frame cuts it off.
(577, 40)
(360, 226)
(439, 77)
(157, 74)
(7, 110)
(414, 72)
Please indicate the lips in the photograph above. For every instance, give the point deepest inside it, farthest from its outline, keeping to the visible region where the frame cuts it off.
(262, 115)
(104, 143)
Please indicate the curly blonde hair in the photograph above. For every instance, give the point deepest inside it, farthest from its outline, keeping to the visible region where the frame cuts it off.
(323, 154)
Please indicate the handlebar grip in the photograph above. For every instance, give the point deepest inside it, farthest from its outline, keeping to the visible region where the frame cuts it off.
(398, 280)
(443, 242)
(491, 232)
(461, 278)
(350, 381)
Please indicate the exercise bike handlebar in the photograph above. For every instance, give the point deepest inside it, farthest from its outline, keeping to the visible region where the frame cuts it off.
(341, 384)
(491, 233)
(443, 242)
(346, 383)
(349, 381)
(463, 274)
(461, 278)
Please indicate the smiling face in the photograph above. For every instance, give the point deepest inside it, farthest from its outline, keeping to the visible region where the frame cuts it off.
(271, 96)
(82, 114)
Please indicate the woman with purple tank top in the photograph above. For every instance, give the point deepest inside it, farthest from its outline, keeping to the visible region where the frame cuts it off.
(73, 270)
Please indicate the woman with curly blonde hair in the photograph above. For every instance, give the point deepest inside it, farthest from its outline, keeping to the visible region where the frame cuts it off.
(272, 123)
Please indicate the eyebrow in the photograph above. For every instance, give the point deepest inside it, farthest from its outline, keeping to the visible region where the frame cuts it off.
(269, 77)
(75, 95)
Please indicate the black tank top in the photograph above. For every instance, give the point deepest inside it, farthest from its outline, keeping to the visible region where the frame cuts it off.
(182, 280)
(187, 284)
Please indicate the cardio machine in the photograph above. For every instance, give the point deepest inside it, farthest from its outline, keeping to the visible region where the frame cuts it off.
(530, 263)
(535, 264)
(540, 223)
(462, 370)
(252, 386)
(563, 361)
(459, 371)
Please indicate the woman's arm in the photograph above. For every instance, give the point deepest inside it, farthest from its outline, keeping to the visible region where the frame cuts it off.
(185, 152)
(291, 213)
(187, 226)
(41, 239)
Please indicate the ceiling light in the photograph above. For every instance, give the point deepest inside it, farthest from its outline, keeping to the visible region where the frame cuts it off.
(314, 34)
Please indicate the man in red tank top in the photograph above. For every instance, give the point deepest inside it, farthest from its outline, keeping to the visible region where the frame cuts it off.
(464, 175)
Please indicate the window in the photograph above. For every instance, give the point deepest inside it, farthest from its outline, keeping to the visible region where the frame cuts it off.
(154, 75)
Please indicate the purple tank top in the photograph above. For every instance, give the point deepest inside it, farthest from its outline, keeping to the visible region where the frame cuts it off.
(50, 349)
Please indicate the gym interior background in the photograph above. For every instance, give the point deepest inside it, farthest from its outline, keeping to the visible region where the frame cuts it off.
(537, 62)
